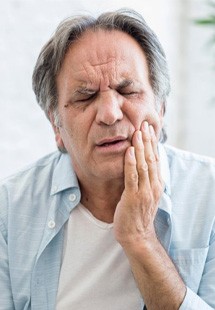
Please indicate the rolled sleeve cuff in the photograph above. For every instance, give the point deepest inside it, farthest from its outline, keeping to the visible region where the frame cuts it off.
(193, 302)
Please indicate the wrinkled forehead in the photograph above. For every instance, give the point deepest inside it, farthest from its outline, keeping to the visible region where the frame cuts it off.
(104, 52)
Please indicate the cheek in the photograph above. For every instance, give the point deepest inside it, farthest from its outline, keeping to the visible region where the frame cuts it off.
(149, 115)
(75, 137)
(67, 135)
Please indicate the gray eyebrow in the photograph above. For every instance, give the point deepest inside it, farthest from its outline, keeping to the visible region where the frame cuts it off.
(88, 91)
(124, 84)
(85, 91)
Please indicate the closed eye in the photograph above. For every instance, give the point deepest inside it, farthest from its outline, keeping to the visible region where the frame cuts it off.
(85, 99)
(128, 94)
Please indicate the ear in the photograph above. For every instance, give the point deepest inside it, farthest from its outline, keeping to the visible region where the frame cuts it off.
(57, 130)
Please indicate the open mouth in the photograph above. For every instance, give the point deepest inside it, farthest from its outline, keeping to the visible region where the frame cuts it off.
(110, 143)
(116, 144)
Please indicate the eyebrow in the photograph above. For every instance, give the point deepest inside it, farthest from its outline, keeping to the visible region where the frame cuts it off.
(124, 84)
(88, 91)
(84, 91)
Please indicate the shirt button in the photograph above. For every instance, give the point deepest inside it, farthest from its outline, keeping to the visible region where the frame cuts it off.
(72, 197)
(51, 224)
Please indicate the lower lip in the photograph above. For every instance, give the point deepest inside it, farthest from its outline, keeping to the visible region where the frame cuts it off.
(118, 147)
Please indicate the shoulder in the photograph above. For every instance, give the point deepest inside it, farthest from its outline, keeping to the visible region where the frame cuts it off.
(192, 178)
(188, 160)
(35, 177)
(27, 193)
(45, 163)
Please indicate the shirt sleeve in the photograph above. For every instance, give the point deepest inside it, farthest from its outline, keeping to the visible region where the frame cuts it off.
(193, 302)
(205, 297)
(5, 284)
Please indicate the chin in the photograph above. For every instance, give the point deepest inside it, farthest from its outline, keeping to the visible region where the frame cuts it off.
(111, 172)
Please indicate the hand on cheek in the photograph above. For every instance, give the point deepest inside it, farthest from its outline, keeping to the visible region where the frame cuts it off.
(135, 212)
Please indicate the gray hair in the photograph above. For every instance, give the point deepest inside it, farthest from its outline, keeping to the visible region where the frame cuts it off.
(129, 21)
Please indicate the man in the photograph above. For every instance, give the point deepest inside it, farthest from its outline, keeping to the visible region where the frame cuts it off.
(115, 219)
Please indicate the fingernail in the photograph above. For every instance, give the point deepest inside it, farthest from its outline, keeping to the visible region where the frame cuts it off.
(131, 151)
(151, 129)
(145, 126)
(139, 135)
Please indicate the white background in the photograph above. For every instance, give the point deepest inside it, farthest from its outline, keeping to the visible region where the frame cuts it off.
(26, 25)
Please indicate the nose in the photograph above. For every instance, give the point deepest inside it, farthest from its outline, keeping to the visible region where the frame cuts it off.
(109, 108)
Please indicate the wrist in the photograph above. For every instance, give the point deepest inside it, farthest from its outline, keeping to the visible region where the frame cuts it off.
(140, 243)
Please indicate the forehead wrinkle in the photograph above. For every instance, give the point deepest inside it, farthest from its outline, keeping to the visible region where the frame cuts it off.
(104, 74)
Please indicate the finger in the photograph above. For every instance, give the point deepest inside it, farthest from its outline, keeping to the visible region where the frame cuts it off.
(142, 167)
(149, 154)
(130, 171)
(154, 143)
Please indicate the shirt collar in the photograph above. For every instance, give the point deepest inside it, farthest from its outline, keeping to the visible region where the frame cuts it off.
(64, 176)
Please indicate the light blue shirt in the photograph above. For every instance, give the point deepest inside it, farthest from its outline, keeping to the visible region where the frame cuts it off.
(36, 203)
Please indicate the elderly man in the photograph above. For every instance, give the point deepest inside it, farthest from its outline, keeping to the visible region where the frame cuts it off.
(115, 219)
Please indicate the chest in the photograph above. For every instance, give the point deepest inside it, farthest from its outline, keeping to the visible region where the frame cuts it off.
(95, 272)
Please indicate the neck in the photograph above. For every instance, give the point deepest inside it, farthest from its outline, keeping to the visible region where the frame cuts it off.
(101, 198)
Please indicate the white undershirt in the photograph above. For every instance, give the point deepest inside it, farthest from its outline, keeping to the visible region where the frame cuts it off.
(95, 272)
